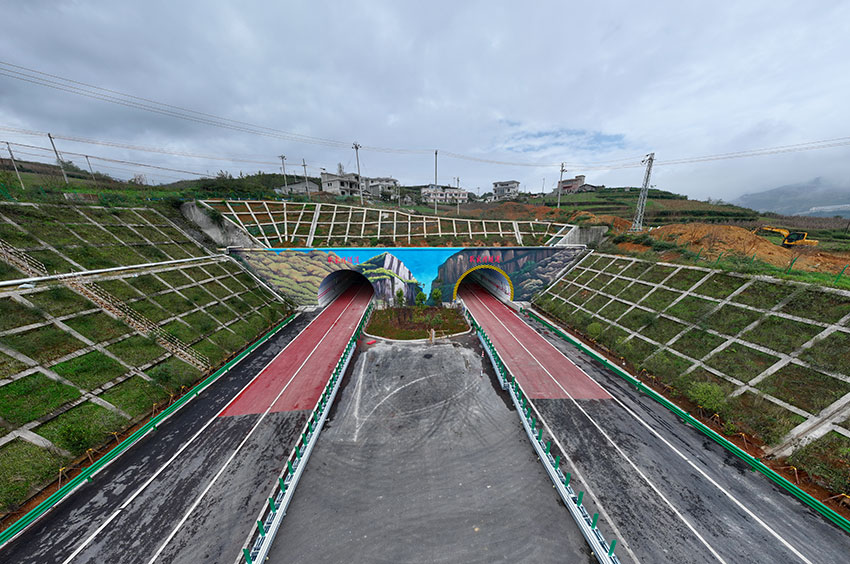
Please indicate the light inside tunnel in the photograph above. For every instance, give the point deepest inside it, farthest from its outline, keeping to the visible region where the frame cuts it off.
(491, 278)
(338, 282)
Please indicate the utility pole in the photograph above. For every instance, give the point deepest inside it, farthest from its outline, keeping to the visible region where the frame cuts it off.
(561, 179)
(283, 168)
(91, 171)
(15, 165)
(58, 160)
(637, 224)
(356, 147)
(543, 186)
(434, 194)
(306, 184)
(457, 195)
(435, 167)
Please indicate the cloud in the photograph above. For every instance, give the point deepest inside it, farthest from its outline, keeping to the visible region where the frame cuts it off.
(544, 82)
(563, 139)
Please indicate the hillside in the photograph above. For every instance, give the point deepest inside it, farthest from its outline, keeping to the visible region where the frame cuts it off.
(83, 359)
(816, 197)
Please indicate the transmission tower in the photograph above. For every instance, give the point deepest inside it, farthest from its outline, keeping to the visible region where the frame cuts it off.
(637, 224)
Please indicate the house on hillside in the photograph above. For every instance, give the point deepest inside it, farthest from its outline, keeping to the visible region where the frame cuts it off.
(505, 190)
(346, 184)
(382, 186)
(573, 185)
(443, 194)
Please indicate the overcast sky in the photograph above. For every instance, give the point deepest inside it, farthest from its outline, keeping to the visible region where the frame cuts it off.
(535, 82)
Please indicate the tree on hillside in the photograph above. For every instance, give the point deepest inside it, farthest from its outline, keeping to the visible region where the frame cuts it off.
(399, 298)
(421, 298)
(436, 296)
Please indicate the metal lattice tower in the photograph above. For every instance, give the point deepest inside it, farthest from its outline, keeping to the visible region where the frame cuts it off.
(637, 224)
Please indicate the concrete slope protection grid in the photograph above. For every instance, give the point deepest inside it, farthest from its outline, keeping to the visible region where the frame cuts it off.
(422, 461)
(672, 495)
(88, 473)
(191, 494)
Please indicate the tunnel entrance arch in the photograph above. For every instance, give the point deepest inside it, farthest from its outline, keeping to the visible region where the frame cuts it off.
(338, 282)
(491, 277)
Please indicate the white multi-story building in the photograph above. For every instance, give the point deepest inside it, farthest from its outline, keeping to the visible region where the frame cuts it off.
(342, 184)
(505, 190)
(444, 194)
(382, 184)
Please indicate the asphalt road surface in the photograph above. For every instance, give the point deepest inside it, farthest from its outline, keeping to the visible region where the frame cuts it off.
(663, 489)
(191, 491)
(424, 460)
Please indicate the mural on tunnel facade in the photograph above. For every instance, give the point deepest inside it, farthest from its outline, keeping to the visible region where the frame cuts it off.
(299, 273)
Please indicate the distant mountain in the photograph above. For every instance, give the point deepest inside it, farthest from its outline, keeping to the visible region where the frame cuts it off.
(815, 197)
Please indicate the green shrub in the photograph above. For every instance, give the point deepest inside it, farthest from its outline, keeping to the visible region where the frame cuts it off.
(708, 395)
(594, 330)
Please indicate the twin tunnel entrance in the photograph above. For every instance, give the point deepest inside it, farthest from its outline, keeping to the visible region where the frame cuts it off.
(491, 278)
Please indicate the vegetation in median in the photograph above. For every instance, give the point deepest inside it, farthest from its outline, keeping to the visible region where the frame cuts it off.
(415, 322)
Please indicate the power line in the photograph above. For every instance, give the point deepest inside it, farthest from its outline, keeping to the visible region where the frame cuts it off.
(105, 94)
(40, 78)
(137, 147)
(113, 160)
(33, 76)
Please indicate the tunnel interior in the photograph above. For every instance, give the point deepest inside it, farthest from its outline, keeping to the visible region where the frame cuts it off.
(338, 282)
(490, 278)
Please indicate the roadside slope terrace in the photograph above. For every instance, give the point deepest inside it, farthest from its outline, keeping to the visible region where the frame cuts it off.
(776, 352)
(282, 224)
(73, 372)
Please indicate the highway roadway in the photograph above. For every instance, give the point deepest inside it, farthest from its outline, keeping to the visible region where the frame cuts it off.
(191, 491)
(666, 492)
(424, 461)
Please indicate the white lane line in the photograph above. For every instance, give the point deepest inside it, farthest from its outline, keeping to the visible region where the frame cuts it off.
(162, 468)
(691, 463)
(608, 438)
(248, 436)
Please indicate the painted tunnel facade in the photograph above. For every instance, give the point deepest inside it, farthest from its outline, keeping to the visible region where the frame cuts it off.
(316, 276)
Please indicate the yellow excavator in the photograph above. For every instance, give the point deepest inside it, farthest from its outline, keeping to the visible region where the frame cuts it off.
(790, 239)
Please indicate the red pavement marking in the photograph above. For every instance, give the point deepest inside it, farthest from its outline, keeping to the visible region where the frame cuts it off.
(304, 367)
(526, 364)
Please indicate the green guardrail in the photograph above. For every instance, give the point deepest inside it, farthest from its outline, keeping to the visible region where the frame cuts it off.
(87, 474)
(755, 463)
